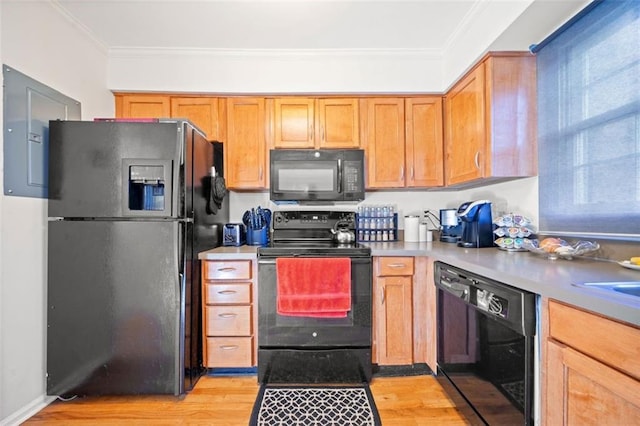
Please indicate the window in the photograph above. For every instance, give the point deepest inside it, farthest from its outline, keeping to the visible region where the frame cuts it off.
(589, 123)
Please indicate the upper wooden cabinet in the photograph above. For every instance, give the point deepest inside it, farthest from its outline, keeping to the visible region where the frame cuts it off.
(245, 148)
(490, 121)
(300, 122)
(403, 141)
(294, 123)
(424, 145)
(142, 106)
(205, 112)
(383, 121)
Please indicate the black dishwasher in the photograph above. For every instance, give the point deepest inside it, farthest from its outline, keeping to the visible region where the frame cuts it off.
(486, 332)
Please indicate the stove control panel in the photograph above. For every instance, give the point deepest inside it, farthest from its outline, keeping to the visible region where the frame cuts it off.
(308, 219)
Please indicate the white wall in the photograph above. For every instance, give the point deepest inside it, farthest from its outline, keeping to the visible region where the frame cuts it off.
(39, 42)
(517, 196)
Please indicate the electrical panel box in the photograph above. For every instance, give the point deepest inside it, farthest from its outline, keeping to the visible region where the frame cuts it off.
(28, 106)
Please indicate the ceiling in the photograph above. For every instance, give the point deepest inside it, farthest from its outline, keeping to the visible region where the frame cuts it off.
(271, 24)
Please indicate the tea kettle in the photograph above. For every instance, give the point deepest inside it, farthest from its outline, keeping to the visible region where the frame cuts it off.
(342, 234)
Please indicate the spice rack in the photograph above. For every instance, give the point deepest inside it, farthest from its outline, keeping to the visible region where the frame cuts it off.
(376, 223)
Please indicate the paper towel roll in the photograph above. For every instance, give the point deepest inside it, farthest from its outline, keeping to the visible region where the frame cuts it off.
(411, 228)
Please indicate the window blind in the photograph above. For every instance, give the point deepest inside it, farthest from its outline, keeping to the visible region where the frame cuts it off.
(589, 124)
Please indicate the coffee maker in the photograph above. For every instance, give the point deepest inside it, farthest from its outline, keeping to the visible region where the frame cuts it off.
(477, 226)
(450, 226)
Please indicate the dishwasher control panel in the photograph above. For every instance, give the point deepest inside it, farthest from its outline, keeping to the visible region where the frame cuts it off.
(492, 303)
(511, 305)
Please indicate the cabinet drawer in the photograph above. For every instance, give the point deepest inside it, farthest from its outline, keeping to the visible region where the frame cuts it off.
(386, 266)
(228, 293)
(228, 320)
(229, 352)
(608, 341)
(228, 270)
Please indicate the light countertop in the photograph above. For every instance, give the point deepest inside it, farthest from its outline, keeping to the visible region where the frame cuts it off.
(528, 271)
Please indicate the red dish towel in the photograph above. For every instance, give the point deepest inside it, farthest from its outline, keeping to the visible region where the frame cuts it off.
(314, 287)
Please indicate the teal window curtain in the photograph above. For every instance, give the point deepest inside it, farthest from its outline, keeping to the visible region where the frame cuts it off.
(589, 123)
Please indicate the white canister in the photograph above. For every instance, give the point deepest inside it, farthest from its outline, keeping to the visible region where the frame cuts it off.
(424, 232)
(412, 228)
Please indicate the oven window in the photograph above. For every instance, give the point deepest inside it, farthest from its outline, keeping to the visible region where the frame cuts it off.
(302, 321)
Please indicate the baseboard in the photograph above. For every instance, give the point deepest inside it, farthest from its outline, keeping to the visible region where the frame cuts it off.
(26, 412)
(235, 371)
(401, 370)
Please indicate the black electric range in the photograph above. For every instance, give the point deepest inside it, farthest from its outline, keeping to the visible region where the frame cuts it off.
(309, 233)
(311, 349)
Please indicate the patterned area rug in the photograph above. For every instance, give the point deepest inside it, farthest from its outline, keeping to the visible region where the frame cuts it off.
(314, 405)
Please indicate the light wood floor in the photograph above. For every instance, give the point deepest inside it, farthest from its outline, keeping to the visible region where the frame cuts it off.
(413, 400)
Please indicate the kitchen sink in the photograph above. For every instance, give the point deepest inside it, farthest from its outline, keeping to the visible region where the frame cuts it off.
(631, 288)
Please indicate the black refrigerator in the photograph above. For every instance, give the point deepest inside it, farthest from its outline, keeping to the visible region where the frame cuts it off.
(130, 207)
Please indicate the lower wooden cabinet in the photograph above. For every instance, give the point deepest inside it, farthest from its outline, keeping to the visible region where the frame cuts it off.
(229, 313)
(591, 368)
(393, 310)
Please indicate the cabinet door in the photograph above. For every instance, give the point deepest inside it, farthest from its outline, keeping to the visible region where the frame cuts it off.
(201, 111)
(338, 124)
(245, 148)
(465, 128)
(424, 150)
(393, 320)
(385, 145)
(512, 108)
(583, 391)
(143, 106)
(294, 123)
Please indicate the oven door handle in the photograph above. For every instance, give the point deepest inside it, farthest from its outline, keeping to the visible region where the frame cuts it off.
(339, 176)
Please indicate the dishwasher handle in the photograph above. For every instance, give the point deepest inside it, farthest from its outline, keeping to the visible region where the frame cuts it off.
(455, 286)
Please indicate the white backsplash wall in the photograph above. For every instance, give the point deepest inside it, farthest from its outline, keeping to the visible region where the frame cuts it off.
(518, 196)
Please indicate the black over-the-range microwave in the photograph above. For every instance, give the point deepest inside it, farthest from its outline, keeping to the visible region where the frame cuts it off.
(317, 175)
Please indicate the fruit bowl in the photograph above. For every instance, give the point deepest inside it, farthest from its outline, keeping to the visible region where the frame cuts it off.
(560, 249)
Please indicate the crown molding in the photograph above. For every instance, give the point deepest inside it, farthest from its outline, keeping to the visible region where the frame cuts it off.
(127, 52)
(79, 26)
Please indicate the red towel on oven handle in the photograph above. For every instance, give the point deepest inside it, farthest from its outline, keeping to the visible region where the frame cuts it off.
(313, 287)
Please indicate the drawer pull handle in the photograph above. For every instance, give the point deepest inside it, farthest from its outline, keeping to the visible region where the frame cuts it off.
(397, 265)
(228, 315)
(225, 292)
(229, 347)
(227, 269)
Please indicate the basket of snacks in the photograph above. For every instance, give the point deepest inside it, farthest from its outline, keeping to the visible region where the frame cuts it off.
(557, 248)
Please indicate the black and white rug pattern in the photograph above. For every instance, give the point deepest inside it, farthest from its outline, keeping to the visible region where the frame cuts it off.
(322, 405)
